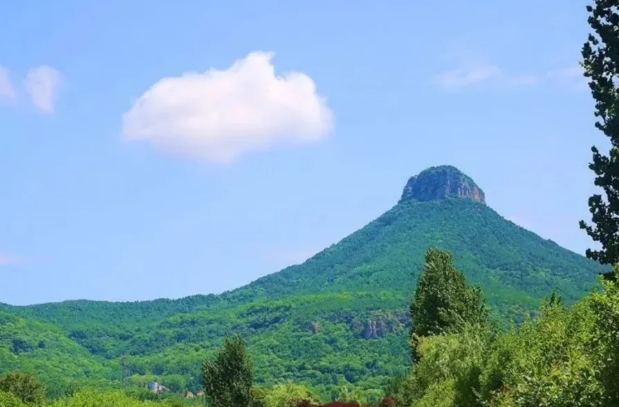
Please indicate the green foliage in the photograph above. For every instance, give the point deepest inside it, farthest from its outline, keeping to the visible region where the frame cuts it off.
(258, 393)
(349, 393)
(601, 65)
(10, 400)
(24, 386)
(227, 379)
(549, 361)
(108, 399)
(449, 369)
(605, 338)
(339, 320)
(27, 344)
(452, 361)
(288, 395)
(443, 301)
(566, 357)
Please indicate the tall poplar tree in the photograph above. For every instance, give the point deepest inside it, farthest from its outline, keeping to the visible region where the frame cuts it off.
(227, 379)
(443, 300)
(601, 65)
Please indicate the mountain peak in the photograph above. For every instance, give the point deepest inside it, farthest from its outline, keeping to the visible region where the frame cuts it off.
(441, 182)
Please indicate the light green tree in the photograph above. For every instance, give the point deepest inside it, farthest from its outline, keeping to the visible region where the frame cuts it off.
(10, 400)
(288, 395)
(443, 301)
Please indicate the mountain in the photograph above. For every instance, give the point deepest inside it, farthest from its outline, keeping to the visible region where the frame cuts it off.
(440, 207)
(338, 319)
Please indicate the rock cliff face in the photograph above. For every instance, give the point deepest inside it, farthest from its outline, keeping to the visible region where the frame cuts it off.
(441, 183)
(373, 325)
(379, 326)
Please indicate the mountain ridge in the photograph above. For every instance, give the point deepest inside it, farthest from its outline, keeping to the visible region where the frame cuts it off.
(339, 318)
(441, 182)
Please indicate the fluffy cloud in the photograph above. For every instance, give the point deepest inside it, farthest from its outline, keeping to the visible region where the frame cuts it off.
(467, 75)
(218, 115)
(43, 84)
(6, 88)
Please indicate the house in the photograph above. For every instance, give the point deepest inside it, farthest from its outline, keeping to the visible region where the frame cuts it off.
(188, 394)
(156, 387)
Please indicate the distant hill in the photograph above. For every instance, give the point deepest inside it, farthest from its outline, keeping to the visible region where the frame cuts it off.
(339, 318)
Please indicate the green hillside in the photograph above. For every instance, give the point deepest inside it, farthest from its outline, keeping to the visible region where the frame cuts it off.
(338, 319)
(33, 346)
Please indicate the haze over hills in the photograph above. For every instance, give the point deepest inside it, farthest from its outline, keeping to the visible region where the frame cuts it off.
(337, 319)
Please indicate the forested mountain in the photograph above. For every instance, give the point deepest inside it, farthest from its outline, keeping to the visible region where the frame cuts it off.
(339, 319)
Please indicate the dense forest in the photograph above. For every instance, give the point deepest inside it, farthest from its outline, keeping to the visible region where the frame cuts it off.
(339, 320)
(495, 316)
(565, 356)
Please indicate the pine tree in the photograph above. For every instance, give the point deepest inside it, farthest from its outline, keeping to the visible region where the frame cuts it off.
(443, 301)
(601, 65)
(227, 379)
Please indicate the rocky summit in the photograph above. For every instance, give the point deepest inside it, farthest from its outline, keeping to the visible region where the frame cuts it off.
(441, 182)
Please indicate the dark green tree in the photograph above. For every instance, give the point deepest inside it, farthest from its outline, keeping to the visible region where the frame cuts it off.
(600, 55)
(227, 379)
(24, 386)
(554, 300)
(443, 301)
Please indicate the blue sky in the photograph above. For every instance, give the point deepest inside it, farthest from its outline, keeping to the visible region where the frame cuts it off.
(120, 184)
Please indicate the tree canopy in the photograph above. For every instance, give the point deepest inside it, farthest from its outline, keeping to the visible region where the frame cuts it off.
(443, 301)
(600, 55)
(227, 378)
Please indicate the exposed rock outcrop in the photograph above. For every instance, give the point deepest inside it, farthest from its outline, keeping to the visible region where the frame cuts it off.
(441, 182)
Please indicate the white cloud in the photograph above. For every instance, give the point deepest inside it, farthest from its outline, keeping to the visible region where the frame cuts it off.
(469, 68)
(43, 85)
(220, 114)
(456, 79)
(467, 75)
(6, 87)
